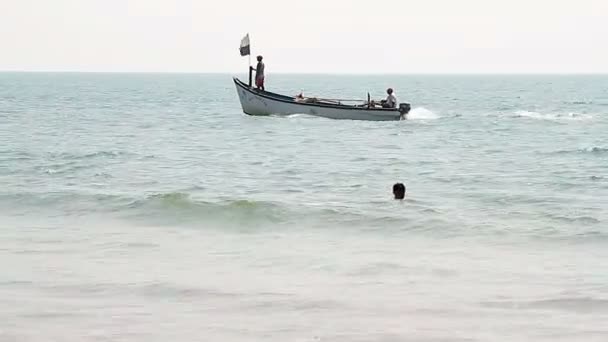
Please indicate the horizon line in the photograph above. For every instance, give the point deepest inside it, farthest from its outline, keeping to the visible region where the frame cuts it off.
(339, 73)
(463, 73)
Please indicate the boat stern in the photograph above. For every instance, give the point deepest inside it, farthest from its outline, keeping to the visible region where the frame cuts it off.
(404, 109)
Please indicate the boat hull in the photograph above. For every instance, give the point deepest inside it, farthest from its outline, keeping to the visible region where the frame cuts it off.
(256, 102)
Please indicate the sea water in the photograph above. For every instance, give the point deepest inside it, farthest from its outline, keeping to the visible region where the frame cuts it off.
(148, 207)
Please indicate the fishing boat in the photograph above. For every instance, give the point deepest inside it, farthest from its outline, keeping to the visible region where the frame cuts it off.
(259, 102)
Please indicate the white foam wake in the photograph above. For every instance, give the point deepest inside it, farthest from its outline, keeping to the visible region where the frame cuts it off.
(421, 113)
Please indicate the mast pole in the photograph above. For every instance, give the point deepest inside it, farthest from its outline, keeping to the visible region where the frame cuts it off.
(250, 71)
(250, 68)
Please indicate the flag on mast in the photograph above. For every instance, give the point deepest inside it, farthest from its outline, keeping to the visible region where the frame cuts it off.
(245, 49)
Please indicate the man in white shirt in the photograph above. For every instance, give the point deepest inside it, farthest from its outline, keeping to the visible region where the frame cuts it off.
(391, 100)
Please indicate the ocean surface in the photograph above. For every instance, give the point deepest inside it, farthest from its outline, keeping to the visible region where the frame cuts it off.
(147, 207)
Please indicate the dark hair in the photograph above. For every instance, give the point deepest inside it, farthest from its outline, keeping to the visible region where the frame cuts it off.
(260, 58)
(399, 191)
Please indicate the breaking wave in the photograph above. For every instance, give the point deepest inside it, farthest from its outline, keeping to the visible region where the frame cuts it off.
(184, 209)
(181, 207)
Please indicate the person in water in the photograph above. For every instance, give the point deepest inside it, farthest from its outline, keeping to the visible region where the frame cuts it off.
(399, 191)
(391, 100)
(259, 74)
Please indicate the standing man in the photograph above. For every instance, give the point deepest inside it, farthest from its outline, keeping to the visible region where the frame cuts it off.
(259, 74)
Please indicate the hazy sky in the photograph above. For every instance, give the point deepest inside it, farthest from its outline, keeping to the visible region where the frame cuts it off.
(401, 36)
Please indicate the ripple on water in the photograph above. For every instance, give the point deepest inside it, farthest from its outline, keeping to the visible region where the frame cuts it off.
(582, 305)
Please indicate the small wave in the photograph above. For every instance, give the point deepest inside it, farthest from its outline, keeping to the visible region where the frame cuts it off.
(152, 289)
(11, 155)
(171, 198)
(552, 117)
(97, 154)
(181, 207)
(591, 150)
(163, 208)
(110, 154)
(596, 149)
(578, 102)
(586, 220)
(68, 202)
(421, 113)
(582, 304)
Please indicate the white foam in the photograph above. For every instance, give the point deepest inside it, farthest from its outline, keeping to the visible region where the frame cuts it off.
(305, 116)
(421, 113)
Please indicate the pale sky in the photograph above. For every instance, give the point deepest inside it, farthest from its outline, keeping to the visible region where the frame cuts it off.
(313, 36)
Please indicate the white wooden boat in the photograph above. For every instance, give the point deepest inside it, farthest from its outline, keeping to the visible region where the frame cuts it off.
(258, 102)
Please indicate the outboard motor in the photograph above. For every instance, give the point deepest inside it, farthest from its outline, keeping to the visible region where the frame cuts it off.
(404, 109)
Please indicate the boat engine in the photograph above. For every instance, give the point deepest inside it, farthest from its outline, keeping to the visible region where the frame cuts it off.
(404, 108)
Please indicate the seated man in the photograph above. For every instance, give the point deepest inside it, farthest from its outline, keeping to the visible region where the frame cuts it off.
(301, 98)
(391, 100)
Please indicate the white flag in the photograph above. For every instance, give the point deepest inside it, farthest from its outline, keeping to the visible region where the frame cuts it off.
(245, 50)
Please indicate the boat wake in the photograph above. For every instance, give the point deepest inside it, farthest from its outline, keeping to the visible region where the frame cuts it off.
(421, 113)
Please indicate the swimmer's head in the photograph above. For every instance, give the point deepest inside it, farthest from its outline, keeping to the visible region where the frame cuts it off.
(399, 191)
